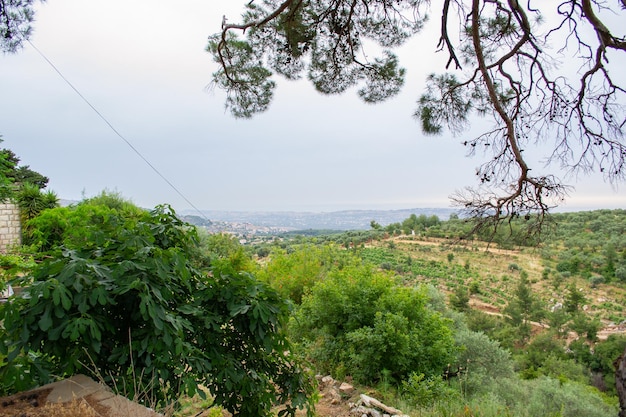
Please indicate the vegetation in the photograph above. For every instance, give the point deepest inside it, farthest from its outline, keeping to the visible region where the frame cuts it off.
(359, 321)
(144, 298)
(119, 290)
(423, 312)
(23, 186)
(502, 65)
(539, 341)
(135, 295)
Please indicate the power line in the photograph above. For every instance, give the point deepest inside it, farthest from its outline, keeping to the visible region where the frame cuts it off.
(104, 119)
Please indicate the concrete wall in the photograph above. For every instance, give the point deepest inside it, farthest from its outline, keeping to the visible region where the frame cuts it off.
(10, 228)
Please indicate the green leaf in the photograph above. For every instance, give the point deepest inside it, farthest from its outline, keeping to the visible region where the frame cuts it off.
(167, 338)
(239, 309)
(46, 321)
(65, 299)
(188, 309)
(55, 333)
(94, 330)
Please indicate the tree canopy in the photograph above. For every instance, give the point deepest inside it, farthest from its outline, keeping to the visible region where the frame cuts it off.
(20, 182)
(16, 17)
(538, 71)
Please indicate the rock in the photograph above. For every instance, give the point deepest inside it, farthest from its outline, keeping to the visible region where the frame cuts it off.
(555, 307)
(328, 380)
(375, 413)
(346, 389)
(372, 402)
(359, 411)
(334, 395)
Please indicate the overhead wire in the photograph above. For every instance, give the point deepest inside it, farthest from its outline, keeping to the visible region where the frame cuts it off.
(110, 125)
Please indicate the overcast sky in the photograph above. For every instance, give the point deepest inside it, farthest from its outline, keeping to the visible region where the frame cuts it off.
(143, 65)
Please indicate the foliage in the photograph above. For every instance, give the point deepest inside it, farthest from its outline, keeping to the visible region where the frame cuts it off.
(15, 19)
(417, 267)
(427, 391)
(459, 300)
(524, 306)
(594, 244)
(552, 397)
(601, 359)
(32, 201)
(18, 178)
(224, 251)
(6, 168)
(26, 371)
(502, 56)
(480, 360)
(574, 299)
(293, 274)
(118, 291)
(21, 175)
(360, 319)
(14, 264)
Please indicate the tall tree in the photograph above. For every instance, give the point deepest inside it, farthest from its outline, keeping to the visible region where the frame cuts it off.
(7, 168)
(21, 175)
(508, 61)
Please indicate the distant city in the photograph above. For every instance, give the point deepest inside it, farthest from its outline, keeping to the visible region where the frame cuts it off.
(254, 223)
(248, 223)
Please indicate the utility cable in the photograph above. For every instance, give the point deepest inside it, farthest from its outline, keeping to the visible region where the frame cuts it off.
(104, 119)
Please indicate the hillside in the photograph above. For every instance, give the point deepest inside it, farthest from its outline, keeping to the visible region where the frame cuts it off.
(491, 274)
(419, 314)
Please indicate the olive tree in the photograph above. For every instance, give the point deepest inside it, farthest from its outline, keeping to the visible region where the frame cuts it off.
(509, 62)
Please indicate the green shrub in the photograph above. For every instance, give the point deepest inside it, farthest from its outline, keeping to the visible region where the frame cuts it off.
(425, 391)
(118, 292)
(459, 299)
(480, 361)
(360, 318)
(596, 280)
(293, 274)
(540, 349)
(551, 397)
(474, 287)
(27, 371)
(32, 201)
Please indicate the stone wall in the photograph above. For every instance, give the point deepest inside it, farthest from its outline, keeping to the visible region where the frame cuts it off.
(10, 228)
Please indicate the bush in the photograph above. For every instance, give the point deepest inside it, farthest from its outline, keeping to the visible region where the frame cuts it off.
(122, 295)
(543, 346)
(427, 391)
(293, 274)
(550, 397)
(360, 319)
(596, 280)
(25, 372)
(459, 300)
(480, 361)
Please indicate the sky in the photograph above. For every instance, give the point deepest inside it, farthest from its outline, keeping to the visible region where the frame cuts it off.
(142, 65)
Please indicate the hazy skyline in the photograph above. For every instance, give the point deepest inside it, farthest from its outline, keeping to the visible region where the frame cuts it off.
(142, 64)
